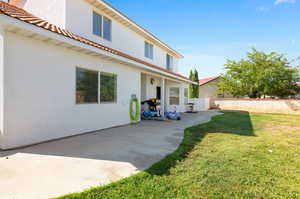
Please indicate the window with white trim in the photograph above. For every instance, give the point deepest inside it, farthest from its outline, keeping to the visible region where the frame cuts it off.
(186, 95)
(148, 50)
(106, 28)
(92, 90)
(174, 96)
(86, 86)
(169, 62)
(101, 26)
(108, 88)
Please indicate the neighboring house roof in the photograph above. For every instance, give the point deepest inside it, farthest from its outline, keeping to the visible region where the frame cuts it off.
(24, 16)
(207, 80)
(120, 17)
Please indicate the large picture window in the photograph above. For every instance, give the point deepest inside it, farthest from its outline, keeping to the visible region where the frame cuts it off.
(108, 88)
(86, 86)
(174, 96)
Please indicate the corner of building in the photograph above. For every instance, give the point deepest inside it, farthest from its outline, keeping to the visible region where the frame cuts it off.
(2, 61)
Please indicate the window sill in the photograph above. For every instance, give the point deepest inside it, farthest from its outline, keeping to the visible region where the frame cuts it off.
(102, 38)
(104, 103)
(86, 103)
(108, 102)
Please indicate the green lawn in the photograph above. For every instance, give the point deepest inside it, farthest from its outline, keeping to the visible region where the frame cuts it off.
(236, 155)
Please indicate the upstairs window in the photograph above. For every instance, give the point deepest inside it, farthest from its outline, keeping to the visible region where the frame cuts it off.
(97, 24)
(170, 63)
(101, 26)
(106, 28)
(148, 50)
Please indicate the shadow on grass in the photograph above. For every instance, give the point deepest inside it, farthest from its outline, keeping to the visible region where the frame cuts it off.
(231, 122)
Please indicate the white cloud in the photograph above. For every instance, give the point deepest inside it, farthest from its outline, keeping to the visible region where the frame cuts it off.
(263, 9)
(277, 2)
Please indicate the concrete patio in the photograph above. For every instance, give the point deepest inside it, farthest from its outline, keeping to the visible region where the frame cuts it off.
(78, 163)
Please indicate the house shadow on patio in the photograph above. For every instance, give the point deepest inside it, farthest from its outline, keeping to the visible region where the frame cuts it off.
(144, 144)
(102, 157)
(141, 145)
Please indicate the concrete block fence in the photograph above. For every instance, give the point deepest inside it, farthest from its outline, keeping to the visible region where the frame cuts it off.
(287, 106)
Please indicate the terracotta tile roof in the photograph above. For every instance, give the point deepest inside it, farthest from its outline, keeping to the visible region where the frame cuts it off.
(18, 3)
(207, 80)
(24, 16)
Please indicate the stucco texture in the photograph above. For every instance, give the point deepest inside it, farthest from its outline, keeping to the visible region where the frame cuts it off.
(74, 164)
(39, 93)
(260, 106)
(209, 90)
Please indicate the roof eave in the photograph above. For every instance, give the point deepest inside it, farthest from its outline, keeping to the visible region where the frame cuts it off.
(12, 22)
(106, 7)
(209, 81)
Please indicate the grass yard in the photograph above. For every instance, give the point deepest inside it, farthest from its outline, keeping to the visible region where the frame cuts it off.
(236, 155)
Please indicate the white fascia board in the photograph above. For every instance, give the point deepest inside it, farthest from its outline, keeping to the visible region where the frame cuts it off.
(133, 24)
(6, 20)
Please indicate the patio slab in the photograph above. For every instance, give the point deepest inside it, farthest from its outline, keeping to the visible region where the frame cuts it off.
(78, 163)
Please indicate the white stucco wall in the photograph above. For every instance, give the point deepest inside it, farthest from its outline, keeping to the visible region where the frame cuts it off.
(53, 11)
(79, 20)
(2, 63)
(151, 88)
(143, 87)
(40, 89)
(209, 90)
(76, 16)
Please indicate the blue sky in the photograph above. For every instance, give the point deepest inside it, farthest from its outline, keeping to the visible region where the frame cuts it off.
(208, 33)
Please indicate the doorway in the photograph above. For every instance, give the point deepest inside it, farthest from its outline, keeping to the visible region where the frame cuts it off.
(158, 92)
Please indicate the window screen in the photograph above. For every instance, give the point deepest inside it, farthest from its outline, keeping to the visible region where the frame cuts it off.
(148, 50)
(106, 28)
(169, 62)
(97, 24)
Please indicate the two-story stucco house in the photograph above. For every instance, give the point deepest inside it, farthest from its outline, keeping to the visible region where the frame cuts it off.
(71, 66)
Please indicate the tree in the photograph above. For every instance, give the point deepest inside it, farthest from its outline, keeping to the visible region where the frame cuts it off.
(191, 87)
(194, 89)
(260, 75)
